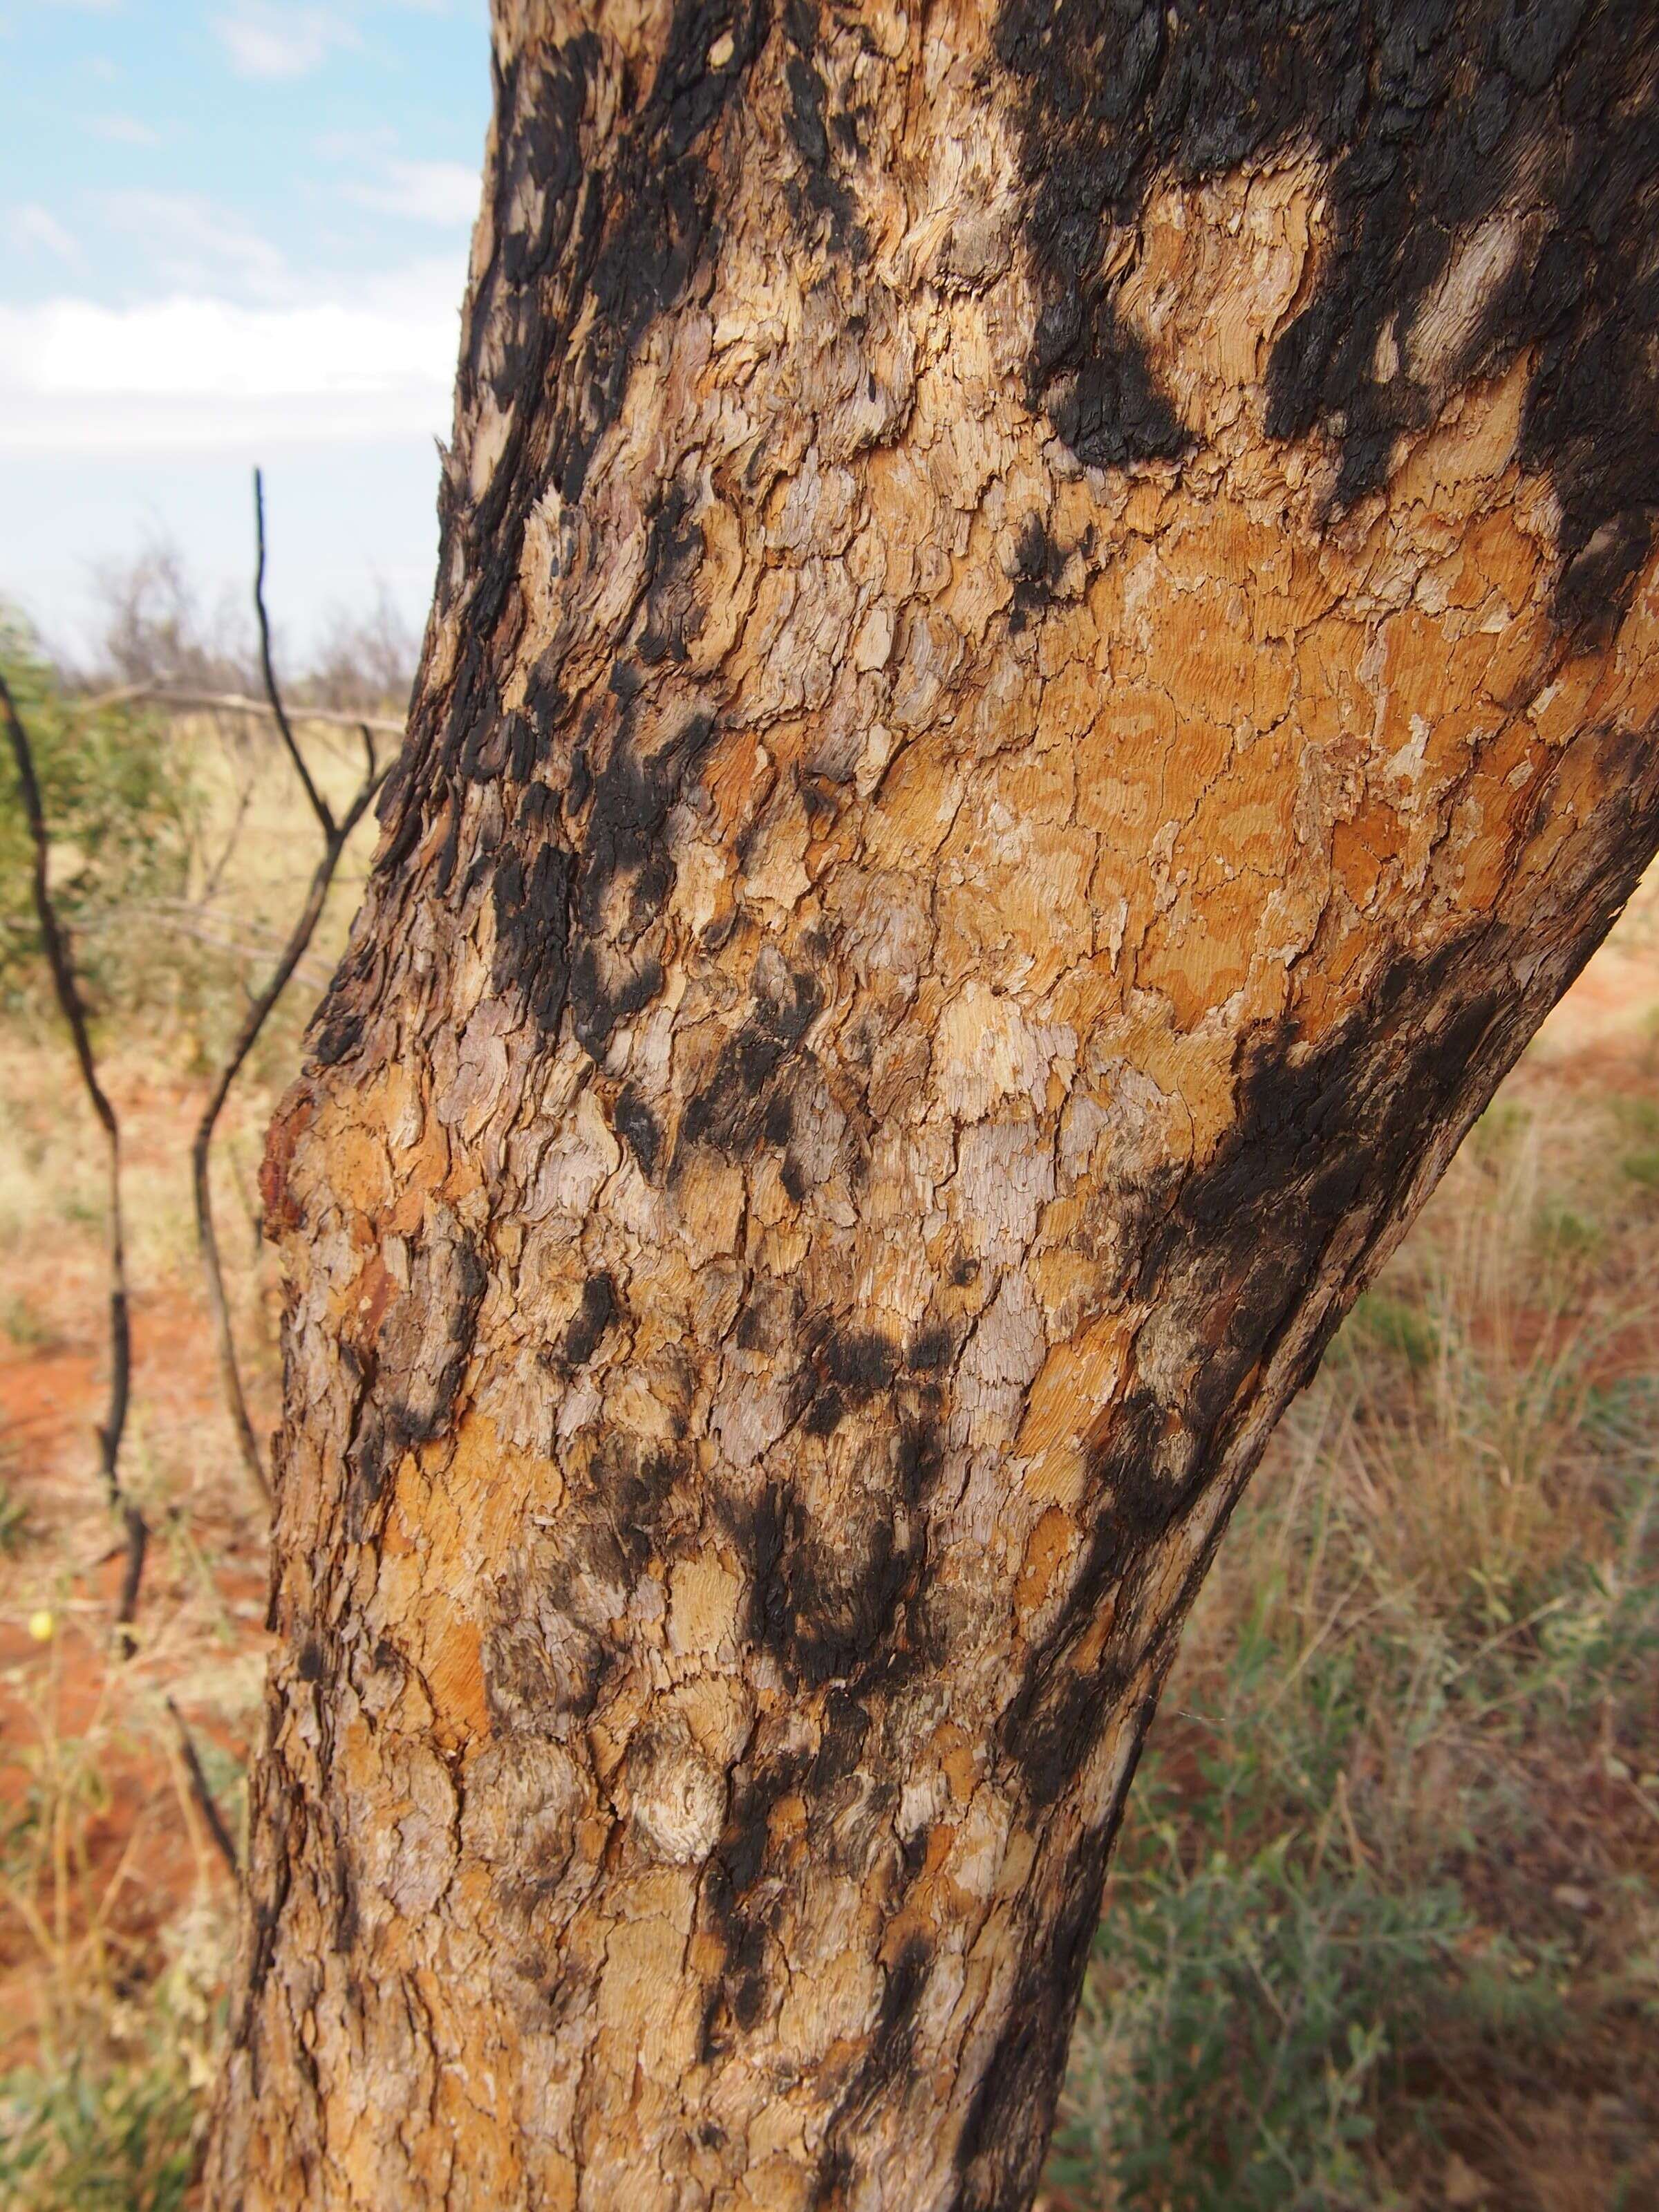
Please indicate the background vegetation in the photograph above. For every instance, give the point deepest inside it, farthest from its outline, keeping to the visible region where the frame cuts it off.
(1384, 1928)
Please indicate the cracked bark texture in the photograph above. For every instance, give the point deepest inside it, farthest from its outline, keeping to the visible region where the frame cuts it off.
(1045, 658)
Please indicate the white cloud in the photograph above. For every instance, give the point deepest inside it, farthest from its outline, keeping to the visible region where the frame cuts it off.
(193, 245)
(200, 374)
(444, 192)
(355, 144)
(266, 40)
(123, 129)
(34, 229)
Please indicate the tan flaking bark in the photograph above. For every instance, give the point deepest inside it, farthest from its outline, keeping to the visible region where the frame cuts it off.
(742, 1472)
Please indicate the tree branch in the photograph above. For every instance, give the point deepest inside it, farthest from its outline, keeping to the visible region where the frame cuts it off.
(319, 806)
(336, 835)
(61, 965)
(254, 1020)
(202, 1797)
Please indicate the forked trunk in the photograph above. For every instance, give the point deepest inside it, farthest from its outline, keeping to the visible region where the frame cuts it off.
(1045, 659)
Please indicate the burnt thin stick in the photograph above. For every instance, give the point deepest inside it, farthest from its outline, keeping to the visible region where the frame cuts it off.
(334, 837)
(201, 1795)
(61, 965)
(257, 1014)
(319, 806)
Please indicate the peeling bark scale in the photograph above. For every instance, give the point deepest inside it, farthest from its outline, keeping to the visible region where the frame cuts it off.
(1047, 654)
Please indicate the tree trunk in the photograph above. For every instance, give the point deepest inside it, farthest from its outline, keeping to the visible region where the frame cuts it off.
(1044, 661)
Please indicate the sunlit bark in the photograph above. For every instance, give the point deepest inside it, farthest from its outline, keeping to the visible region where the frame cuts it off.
(1044, 661)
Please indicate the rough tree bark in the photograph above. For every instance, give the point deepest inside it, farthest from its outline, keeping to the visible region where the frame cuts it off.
(1044, 661)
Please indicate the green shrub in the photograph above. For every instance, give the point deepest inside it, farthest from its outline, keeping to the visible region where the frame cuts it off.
(24, 1328)
(1391, 1325)
(13, 1520)
(88, 2139)
(1237, 2023)
(1411, 1724)
(117, 794)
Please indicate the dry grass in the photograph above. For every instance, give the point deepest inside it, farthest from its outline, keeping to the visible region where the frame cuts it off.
(115, 1912)
(1384, 1926)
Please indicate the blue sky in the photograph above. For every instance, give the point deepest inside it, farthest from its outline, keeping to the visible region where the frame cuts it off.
(231, 231)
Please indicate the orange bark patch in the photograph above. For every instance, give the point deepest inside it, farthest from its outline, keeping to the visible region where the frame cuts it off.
(289, 1124)
(1050, 1545)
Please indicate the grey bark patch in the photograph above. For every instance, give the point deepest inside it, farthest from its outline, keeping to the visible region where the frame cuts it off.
(742, 1100)
(407, 1385)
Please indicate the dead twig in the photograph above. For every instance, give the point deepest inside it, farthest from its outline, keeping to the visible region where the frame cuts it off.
(319, 806)
(201, 1795)
(61, 964)
(335, 834)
